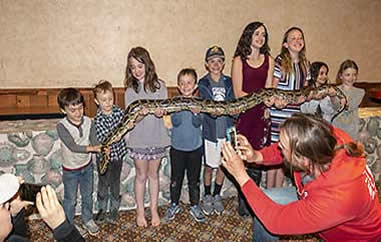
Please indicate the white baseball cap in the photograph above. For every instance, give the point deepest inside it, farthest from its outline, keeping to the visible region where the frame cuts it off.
(9, 185)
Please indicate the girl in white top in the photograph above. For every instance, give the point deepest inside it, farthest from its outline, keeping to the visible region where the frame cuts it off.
(323, 107)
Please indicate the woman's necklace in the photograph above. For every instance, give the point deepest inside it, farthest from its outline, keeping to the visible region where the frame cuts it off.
(257, 62)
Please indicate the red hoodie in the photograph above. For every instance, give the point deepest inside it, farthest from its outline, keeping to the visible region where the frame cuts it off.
(341, 204)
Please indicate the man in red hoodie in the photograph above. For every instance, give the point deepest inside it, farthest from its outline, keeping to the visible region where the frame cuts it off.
(335, 192)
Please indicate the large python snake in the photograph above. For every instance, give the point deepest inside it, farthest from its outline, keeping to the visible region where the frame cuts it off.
(215, 108)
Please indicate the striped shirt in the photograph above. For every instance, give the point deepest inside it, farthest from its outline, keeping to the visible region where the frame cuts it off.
(293, 81)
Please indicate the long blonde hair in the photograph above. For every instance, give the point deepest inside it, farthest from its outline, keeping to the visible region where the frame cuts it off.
(286, 65)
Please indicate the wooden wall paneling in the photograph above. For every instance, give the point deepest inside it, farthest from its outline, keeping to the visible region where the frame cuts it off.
(93, 106)
(23, 101)
(42, 92)
(39, 101)
(44, 101)
(88, 101)
(119, 97)
(52, 100)
(8, 101)
(172, 92)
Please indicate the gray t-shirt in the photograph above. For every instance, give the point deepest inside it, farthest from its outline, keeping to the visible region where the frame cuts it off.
(150, 131)
(219, 93)
(349, 119)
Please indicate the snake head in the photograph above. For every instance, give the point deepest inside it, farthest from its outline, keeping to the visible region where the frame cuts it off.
(269, 101)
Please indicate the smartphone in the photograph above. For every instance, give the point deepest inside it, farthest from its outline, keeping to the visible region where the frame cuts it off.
(231, 136)
(28, 191)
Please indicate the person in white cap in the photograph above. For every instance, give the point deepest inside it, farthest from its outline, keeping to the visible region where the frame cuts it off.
(12, 222)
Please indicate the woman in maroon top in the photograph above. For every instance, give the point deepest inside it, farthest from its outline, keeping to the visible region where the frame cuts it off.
(252, 69)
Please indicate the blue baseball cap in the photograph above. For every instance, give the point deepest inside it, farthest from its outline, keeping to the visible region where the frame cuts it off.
(213, 52)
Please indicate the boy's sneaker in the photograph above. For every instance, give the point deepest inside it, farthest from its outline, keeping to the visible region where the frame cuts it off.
(197, 214)
(100, 218)
(218, 205)
(91, 227)
(207, 205)
(171, 212)
(81, 230)
(113, 217)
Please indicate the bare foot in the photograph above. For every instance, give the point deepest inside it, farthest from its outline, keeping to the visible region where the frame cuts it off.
(141, 221)
(155, 219)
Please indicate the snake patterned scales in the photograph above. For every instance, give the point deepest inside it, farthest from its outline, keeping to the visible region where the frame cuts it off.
(215, 108)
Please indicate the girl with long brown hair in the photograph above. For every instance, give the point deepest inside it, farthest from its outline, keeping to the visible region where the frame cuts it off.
(149, 139)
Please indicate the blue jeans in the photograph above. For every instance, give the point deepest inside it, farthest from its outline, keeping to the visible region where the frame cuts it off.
(110, 181)
(71, 180)
(283, 196)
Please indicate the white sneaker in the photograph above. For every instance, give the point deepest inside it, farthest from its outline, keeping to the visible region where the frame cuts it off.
(218, 205)
(92, 227)
(81, 230)
(207, 205)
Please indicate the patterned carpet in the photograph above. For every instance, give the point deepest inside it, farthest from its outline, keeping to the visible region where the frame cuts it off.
(228, 227)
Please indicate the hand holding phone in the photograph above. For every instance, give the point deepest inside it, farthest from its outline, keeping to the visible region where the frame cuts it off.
(26, 196)
(50, 208)
(28, 191)
(231, 136)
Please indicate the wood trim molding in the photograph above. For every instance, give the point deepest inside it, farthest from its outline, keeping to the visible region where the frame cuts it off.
(34, 101)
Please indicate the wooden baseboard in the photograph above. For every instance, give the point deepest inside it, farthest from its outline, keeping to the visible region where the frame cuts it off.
(35, 101)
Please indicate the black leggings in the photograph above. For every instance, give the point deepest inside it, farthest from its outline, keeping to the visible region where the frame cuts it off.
(182, 161)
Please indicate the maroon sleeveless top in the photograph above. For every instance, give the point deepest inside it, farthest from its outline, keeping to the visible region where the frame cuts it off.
(252, 123)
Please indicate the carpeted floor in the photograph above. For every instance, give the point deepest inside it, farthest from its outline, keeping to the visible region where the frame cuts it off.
(227, 227)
